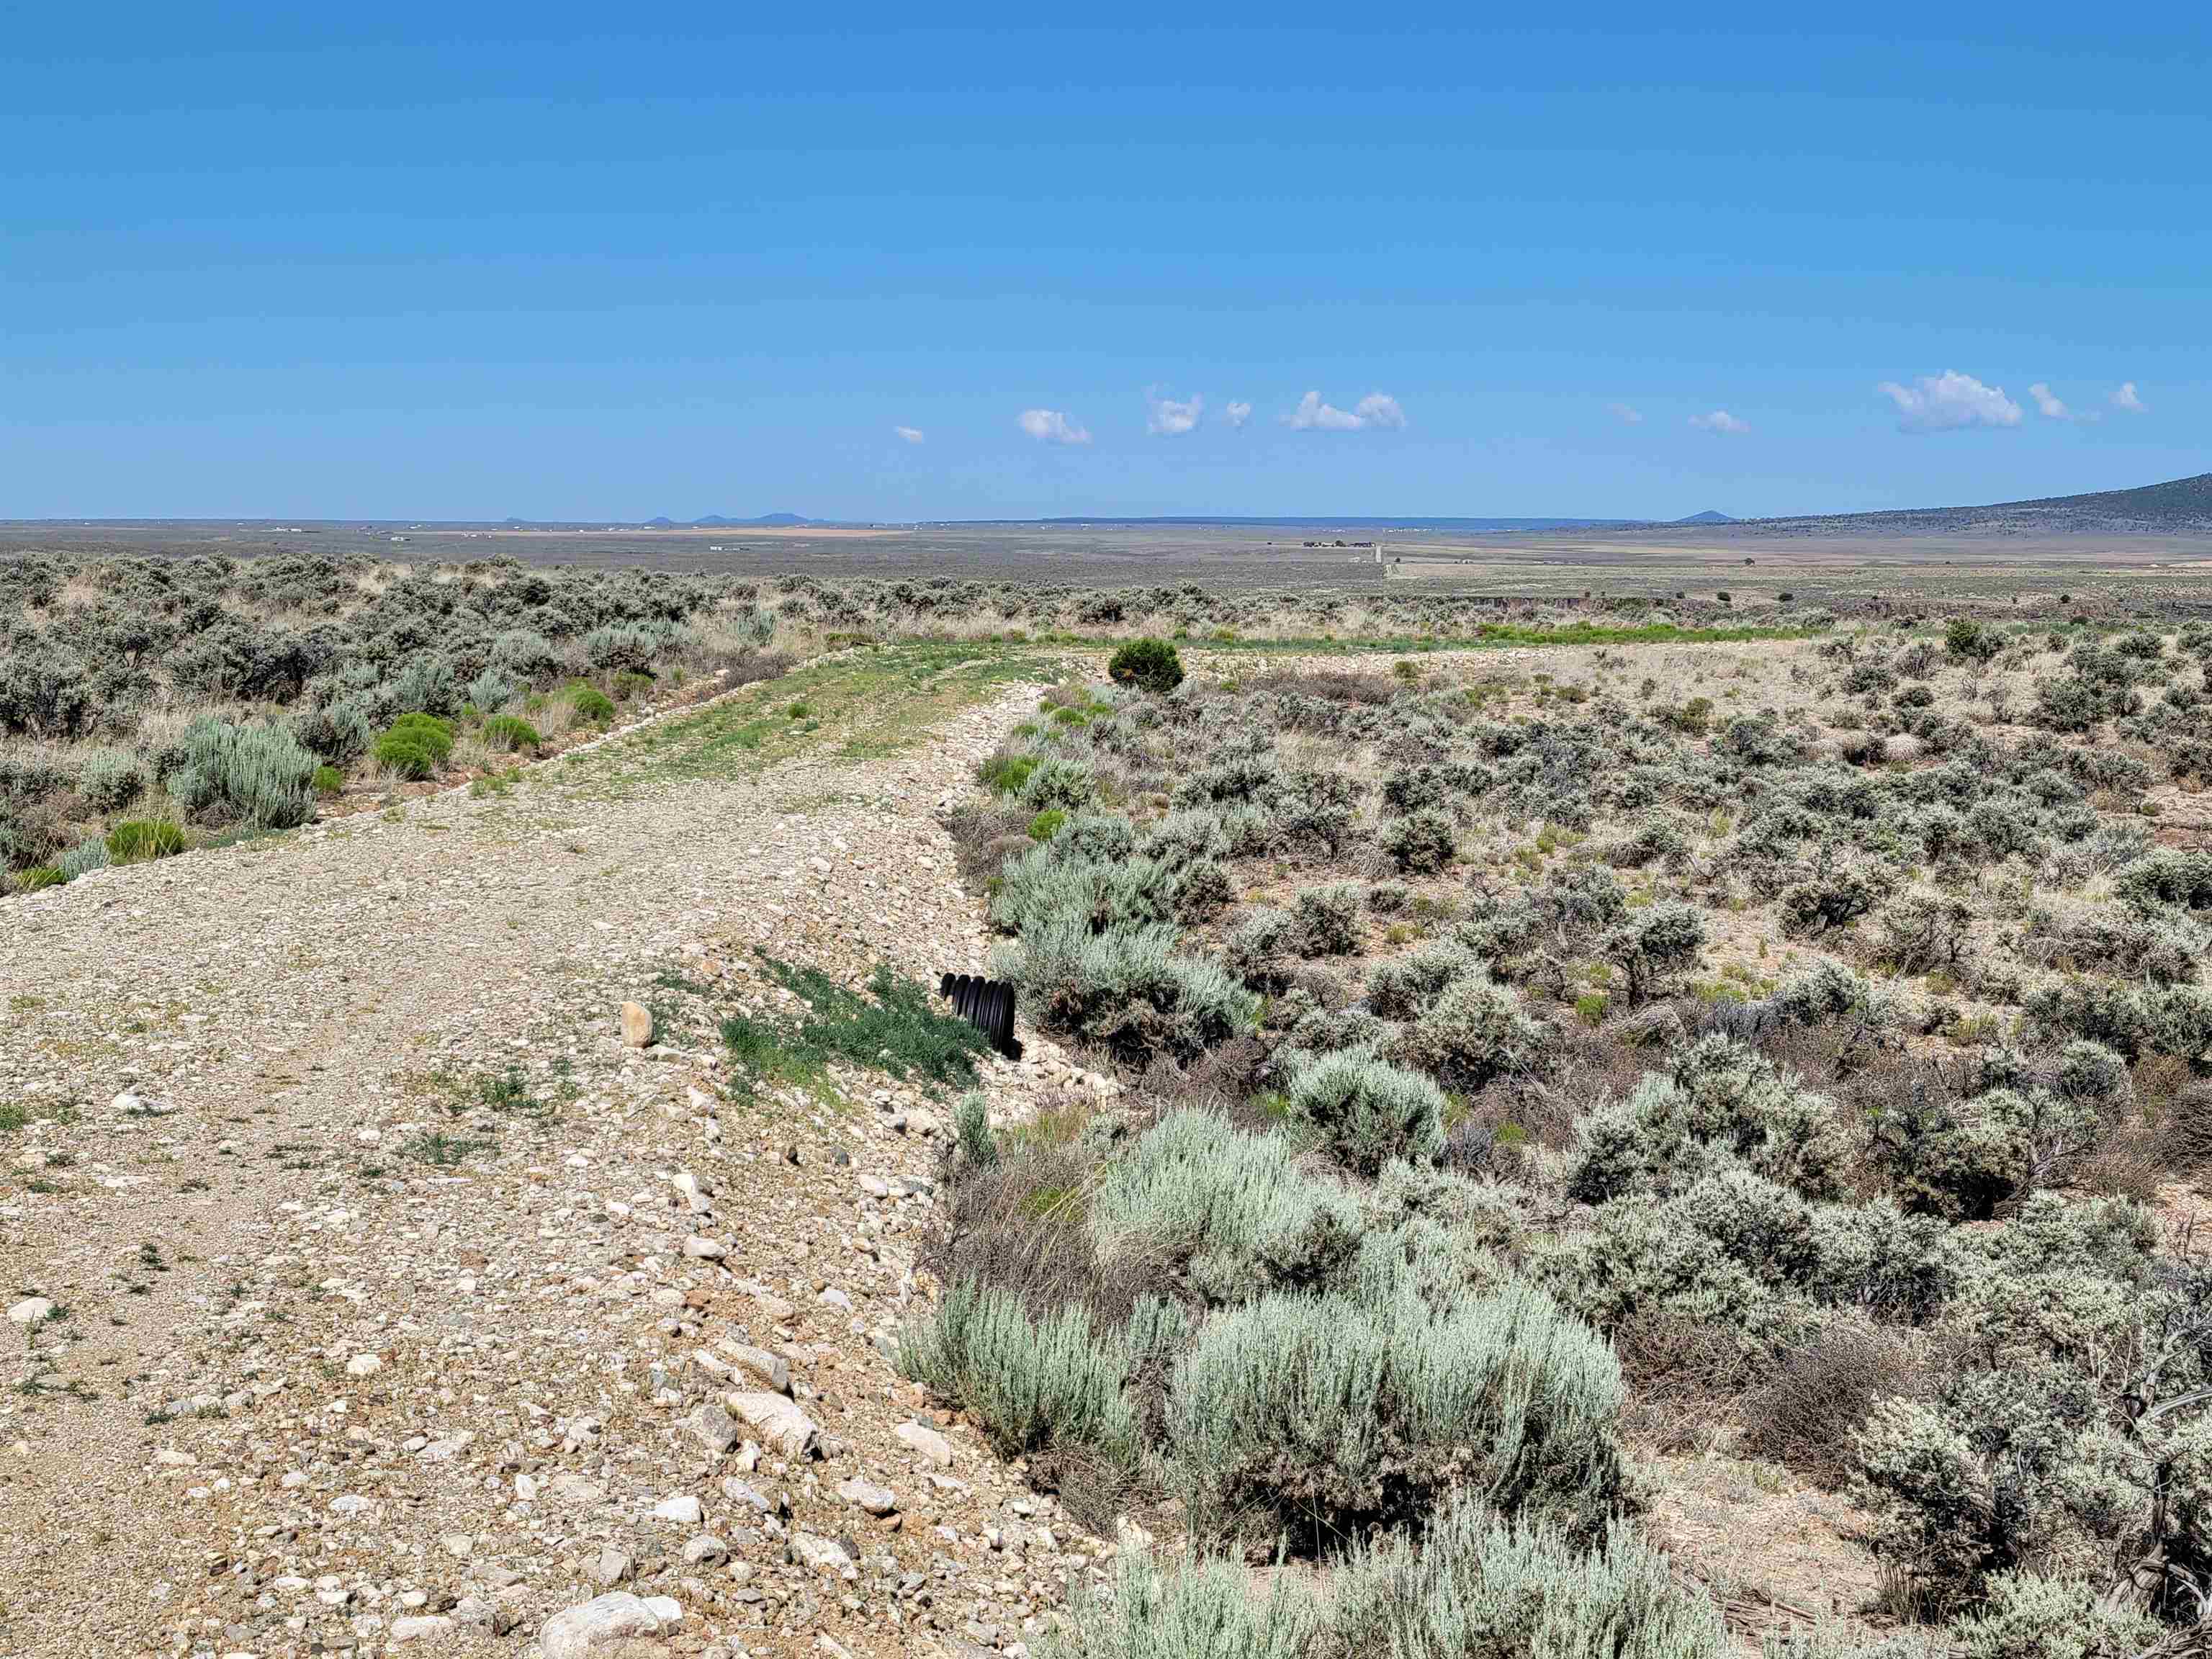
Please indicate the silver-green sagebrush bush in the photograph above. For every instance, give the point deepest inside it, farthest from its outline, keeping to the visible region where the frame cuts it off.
(1368, 1110)
(1306, 1419)
(257, 774)
(1128, 990)
(1227, 1213)
(1035, 1385)
(1476, 1588)
(1474, 1031)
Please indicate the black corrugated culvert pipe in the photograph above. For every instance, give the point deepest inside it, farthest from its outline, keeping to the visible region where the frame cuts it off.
(986, 1004)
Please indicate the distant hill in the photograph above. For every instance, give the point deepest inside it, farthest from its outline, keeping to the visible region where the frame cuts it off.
(1708, 516)
(716, 521)
(2180, 506)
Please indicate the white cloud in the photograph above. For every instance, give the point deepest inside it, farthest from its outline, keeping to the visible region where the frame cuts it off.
(2125, 398)
(1052, 425)
(1720, 421)
(1236, 413)
(2046, 401)
(1167, 418)
(909, 433)
(1376, 409)
(1626, 414)
(1949, 403)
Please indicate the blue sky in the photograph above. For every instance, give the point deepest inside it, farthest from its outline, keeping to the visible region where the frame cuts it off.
(569, 262)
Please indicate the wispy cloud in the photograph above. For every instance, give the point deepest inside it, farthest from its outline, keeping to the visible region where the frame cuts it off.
(1167, 418)
(1236, 413)
(2051, 407)
(1625, 414)
(1052, 425)
(1722, 421)
(2127, 398)
(1376, 409)
(912, 434)
(1949, 402)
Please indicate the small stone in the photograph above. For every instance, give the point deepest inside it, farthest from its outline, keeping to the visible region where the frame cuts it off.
(363, 1364)
(926, 1442)
(701, 1247)
(786, 1428)
(636, 1024)
(822, 1554)
(868, 1496)
(712, 1428)
(609, 1568)
(684, 1508)
(705, 1551)
(31, 1310)
(421, 1627)
(605, 1620)
(759, 1365)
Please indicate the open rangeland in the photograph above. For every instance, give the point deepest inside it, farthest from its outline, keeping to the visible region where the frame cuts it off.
(1638, 1114)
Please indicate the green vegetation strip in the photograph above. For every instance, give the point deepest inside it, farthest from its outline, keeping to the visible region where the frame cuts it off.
(1490, 635)
(898, 1029)
(862, 704)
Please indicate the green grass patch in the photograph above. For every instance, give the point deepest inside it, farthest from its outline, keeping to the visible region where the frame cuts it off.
(898, 1028)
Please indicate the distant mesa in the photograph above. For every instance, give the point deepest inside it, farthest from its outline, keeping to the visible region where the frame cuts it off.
(720, 521)
(2178, 506)
(1709, 516)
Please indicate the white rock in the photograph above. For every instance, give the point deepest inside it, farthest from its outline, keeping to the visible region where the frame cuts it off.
(820, 1553)
(927, 1442)
(705, 1551)
(683, 1509)
(758, 1364)
(701, 1247)
(421, 1627)
(868, 1496)
(604, 1621)
(363, 1364)
(30, 1310)
(712, 1428)
(786, 1428)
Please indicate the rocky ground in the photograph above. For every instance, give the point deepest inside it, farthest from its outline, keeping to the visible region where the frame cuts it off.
(368, 1289)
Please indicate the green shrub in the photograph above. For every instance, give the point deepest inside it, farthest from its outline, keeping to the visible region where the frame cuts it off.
(1327, 919)
(591, 704)
(260, 775)
(1369, 1111)
(1151, 665)
(510, 731)
(2027, 1617)
(1404, 987)
(1047, 824)
(140, 839)
(1128, 990)
(1478, 1585)
(1474, 1031)
(328, 780)
(1057, 781)
(1034, 1386)
(39, 877)
(111, 779)
(87, 854)
(1474, 1586)
(1201, 1610)
(1305, 1419)
(1225, 1212)
(1056, 882)
(971, 1128)
(405, 754)
(416, 745)
(1004, 774)
(1421, 843)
